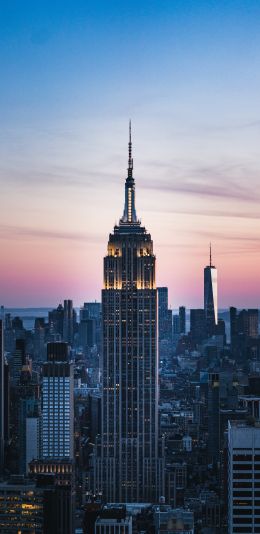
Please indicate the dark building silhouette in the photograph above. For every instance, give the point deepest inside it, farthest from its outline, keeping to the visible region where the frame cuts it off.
(6, 400)
(162, 312)
(39, 338)
(197, 325)
(19, 359)
(55, 321)
(244, 331)
(182, 319)
(68, 322)
(55, 478)
(2, 396)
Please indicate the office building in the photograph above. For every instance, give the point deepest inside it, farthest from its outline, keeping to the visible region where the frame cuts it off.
(162, 312)
(182, 319)
(68, 322)
(213, 417)
(243, 477)
(128, 466)
(21, 507)
(57, 403)
(210, 297)
(55, 321)
(197, 325)
(92, 309)
(176, 325)
(28, 432)
(2, 395)
(39, 339)
(113, 520)
(173, 521)
(19, 360)
(244, 330)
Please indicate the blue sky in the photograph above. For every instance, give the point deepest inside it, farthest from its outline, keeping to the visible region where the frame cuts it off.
(187, 73)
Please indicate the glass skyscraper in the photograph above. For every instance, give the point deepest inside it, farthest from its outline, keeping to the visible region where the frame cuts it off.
(211, 297)
(129, 466)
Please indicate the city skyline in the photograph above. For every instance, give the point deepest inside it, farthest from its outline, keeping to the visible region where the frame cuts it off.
(189, 80)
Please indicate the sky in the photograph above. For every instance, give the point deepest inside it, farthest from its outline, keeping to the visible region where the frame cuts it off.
(72, 74)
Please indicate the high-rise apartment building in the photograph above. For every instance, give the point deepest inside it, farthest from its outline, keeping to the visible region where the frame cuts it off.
(210, 297)
(243, 477)
(128, 467)
(57, 403)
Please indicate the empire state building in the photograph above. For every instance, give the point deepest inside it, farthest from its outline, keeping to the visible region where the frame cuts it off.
(128, 463)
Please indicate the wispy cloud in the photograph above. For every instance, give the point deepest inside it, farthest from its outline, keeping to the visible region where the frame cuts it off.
(57, 177)
(17, 232)
(205, 213)
(223, 181)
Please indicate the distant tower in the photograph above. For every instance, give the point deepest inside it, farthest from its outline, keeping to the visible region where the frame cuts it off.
(57, 403)
(128, 466)
(210, 297)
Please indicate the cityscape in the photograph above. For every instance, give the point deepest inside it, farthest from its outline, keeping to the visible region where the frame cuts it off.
(129, 272)
(129, 417)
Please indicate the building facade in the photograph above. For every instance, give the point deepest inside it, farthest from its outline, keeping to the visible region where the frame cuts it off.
(2, 397)
(243, 477)
(57, 403)
(128, 466)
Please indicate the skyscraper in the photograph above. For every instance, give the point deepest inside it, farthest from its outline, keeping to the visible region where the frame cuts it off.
(197, 325)
(182, 316)
(57, 403)
(243, 477)
(210, 297)
(162, 312)
(1, 393)
(68, 330)
(128, 467)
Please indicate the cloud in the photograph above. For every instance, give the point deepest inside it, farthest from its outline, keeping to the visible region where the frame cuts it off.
(16, 232)
(58, 176)
(205, 213)
(222, 181)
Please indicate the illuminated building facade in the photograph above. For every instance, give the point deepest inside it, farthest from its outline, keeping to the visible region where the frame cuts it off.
(128, 467)
(210, 297)
(21, 507)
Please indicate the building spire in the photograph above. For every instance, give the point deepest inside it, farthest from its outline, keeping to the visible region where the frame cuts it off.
(210, 256)
(130, 159)
(129, 215)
